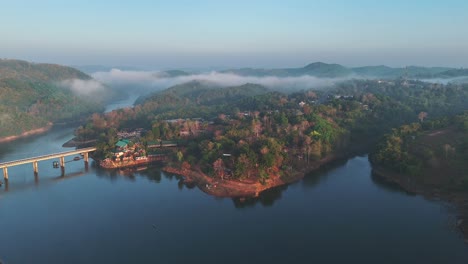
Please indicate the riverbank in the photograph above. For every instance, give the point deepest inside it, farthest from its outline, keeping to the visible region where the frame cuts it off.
(250, 188)
(431, 192)
(245, 188)
(26, 134)
(74, 143)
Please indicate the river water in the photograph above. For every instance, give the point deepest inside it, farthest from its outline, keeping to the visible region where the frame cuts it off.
(340, 214)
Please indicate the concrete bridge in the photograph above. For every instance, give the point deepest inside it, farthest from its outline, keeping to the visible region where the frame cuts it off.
(61, 156)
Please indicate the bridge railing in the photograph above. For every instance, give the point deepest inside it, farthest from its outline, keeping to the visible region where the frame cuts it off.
(34, 160)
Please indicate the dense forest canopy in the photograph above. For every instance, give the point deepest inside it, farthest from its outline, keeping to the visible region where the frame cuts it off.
(34, 95)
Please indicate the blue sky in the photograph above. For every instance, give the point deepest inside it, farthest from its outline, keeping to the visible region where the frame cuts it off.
(204, 33)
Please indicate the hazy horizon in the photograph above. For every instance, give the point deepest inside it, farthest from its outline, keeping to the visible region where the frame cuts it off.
(214, 34)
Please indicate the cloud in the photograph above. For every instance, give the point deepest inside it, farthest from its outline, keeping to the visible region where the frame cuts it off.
(83, 87)
(161, 80)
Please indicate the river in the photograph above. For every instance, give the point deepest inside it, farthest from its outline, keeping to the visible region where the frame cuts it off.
(340, 214)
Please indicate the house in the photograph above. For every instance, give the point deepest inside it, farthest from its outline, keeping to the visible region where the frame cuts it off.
(122, 144)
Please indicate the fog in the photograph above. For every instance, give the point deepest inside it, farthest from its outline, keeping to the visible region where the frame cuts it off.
(83, 87)
(153, 81)
(454, 80)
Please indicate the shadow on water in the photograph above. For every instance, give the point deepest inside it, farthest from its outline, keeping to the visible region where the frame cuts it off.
(388, 185)
(266, 198)
(270, 196)
(39, 180)
(116, 174)
(151, 172)
(310, 180)
(154, 174)
(313, 178)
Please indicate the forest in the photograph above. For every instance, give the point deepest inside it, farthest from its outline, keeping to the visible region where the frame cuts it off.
(33, 96)
(431, 152)
(251, 133)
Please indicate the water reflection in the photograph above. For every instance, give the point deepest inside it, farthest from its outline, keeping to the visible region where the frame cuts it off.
(68, 176)
(266, 198)
(151, 172)
(39, 180)
(116, 174)
(388, 185)
(314, 178)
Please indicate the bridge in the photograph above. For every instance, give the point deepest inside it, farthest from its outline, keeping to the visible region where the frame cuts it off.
(60, 155)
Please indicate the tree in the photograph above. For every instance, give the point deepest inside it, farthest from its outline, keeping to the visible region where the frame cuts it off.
(421, 116)
(218, 167)
(256, 127)
(180, 156)
(307, 142)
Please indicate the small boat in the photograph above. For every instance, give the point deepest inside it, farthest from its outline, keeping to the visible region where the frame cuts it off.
(141, 168)
(76, 158)
(55, 164)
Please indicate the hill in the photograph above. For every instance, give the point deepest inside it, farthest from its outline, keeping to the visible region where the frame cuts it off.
(26, 71)
(32, 95)
(195, 97)
(325, 70)
(317, 69)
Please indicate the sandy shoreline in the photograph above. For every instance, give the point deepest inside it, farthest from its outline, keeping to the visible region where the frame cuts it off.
(26, 134)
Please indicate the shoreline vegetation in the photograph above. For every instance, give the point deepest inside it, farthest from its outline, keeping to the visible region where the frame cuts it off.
(27, 134)
(243, 188)
(248, 188)
(429, 159)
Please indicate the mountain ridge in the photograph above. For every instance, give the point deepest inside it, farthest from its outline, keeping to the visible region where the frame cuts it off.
(334, 70)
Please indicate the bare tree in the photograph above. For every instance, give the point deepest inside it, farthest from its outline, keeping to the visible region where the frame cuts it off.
(421, 116)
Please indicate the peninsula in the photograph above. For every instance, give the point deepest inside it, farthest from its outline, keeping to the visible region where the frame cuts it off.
(240, 140)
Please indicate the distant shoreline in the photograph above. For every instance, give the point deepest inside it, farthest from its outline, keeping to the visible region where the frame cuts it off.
(28, 133)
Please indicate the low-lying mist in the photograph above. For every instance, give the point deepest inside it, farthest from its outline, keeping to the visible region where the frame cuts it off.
(144, 82)
(83, 87)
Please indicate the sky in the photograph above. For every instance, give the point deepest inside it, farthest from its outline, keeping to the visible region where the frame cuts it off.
(222, 34)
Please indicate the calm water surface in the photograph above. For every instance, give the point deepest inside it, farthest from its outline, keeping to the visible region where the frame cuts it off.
(338, 215)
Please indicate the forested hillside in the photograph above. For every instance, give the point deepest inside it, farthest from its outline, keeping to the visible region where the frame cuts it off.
(196, 98)
(431, 153)
(33, 95)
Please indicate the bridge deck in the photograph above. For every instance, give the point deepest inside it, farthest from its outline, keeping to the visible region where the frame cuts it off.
(45, 157)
